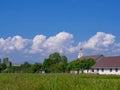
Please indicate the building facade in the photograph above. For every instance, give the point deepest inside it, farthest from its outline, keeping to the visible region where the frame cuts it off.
(108, 65)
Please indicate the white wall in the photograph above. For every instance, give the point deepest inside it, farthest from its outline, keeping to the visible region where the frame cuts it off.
(74, 72)
(107, 71)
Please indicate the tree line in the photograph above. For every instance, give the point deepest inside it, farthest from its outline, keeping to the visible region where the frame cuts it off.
(55, 63)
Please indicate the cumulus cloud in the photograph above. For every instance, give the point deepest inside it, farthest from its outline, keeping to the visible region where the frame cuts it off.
(37, 43)
(12, 43)
(62, 42)
(41, 46)
(99, 41)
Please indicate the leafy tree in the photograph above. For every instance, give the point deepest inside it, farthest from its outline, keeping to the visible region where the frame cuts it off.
(36, 67)
(55, 63)
(64, 59)
(5, 60)
(47, 64)
(0, 61)
(62, 66)
(74, 65)
(84, 64)
(55, 56)
(2, 67)
(26, 67)
(13, 69)
(87, 64)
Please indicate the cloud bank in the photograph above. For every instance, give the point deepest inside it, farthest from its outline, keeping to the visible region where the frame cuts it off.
(38, 48)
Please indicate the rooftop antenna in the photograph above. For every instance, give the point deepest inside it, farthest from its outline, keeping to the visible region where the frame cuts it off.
(80, 53)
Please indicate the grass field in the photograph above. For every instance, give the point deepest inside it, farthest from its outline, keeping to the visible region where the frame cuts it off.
(58, 82)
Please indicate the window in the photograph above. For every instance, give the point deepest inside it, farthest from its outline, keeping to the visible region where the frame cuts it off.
(92, 70)
(102, 70)
(116, 70)
(97, 70)
(110, 69)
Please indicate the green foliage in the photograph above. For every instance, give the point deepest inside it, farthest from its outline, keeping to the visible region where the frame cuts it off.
(13, 69)
(37, 67)
(55, 57)
(58, 82)
(64, 59)
(62, 67)
(24, 68)
(86, 64)
(2, 67)
(81, 64)
(47, 65)
(5, 60)
(74, 65)
(55, 63)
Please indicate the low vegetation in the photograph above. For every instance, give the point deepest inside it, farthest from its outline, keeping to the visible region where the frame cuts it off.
(15, 81)
(55, 63)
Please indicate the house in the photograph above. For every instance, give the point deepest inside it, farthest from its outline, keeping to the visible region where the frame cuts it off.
(95, 57)
(108, 65)
(103, 65)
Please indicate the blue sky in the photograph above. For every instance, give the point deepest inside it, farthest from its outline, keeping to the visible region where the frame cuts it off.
(81, 18)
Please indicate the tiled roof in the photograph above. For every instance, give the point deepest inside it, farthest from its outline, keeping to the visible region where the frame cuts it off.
(95, 57)
(113, 61)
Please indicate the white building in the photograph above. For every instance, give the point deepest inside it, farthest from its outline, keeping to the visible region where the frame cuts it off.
(104, 65)
(81, 57)
(108, 65)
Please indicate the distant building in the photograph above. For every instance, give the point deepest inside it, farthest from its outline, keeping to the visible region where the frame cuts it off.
(16, 65)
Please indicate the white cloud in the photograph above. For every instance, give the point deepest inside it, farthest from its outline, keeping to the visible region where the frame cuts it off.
(37, 43)
(12, 43)
(61, 42)
(58, 43)
(40, 47)
(99, 41)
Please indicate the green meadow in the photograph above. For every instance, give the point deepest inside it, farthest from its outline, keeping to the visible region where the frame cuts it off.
(10, 81)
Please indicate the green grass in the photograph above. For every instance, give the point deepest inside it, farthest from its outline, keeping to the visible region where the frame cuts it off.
(58, 82)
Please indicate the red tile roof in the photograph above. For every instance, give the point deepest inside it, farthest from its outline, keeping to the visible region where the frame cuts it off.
(95, 57)
(113, 61)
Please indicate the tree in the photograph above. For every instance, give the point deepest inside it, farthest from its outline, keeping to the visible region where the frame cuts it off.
(47, 64)
(26, 67)
(26, 64)
(55, 56)
(87, 64)
(74, 65)
(64, 59)
(62, 66)
(84, 64)
(0, 61)
(2, 67)
(55, 63)
(36, 67)
(5, 60)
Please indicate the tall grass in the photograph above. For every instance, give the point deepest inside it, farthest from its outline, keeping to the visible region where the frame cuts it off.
(58, 82)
